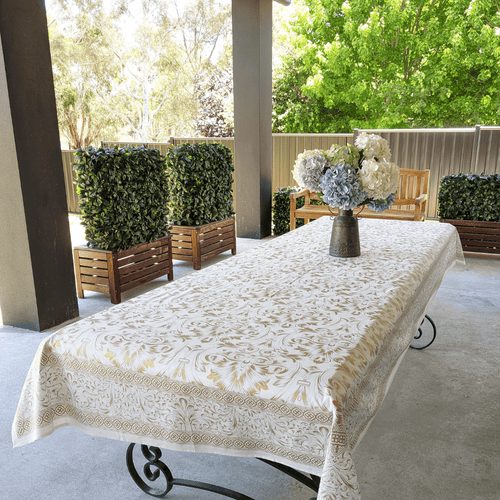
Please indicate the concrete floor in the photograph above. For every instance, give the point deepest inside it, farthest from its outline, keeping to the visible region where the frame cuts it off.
(436, 437)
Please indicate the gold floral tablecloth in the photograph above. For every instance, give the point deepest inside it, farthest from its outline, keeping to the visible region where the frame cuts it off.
(282, 352)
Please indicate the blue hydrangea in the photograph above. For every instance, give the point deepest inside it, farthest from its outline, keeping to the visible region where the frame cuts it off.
(341, 187)
(381, 205)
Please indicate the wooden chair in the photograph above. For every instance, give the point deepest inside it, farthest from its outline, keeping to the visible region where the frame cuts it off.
(410, 202)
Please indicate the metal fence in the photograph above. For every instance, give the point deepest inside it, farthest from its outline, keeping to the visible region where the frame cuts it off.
(443, 151)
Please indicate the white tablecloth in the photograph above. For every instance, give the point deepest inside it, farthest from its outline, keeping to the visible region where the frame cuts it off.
(283, 352)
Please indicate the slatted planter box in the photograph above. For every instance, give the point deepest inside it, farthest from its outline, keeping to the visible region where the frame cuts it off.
(199, 243)
(116, 272)
(478, 236)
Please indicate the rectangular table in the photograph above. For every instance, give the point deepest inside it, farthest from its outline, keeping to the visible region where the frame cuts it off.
(283, 353)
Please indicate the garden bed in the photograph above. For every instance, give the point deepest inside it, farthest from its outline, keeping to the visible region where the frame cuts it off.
(199, 243)
(116, 272)
(478, 236)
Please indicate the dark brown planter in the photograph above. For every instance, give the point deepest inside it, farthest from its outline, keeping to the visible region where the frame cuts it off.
(477, 236)
(199, 243)
(115, 272)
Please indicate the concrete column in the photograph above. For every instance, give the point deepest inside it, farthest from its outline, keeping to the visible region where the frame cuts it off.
(252, 73)
(37, 283)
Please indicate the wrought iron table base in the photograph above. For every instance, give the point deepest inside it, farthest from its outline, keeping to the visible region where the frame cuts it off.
(420, 333)
(154, 467)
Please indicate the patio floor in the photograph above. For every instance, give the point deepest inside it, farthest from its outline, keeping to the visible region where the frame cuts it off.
(436, 437)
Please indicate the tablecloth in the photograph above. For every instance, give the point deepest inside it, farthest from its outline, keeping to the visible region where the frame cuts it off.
(282, 352)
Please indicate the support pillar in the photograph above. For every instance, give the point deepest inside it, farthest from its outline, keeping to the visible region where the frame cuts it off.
(252, 73)
(37, 282)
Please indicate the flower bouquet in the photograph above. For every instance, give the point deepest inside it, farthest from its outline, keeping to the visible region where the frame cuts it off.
(350, 176)
(347, 177)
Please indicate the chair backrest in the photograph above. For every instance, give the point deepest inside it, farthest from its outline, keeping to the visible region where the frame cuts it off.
(412, 184)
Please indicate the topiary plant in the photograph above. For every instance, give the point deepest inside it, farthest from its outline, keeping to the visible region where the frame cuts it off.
(281, 210)
(470, 197)
(200, 183)
(123, 196)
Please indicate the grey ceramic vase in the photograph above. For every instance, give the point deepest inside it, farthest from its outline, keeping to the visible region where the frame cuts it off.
(345, 235)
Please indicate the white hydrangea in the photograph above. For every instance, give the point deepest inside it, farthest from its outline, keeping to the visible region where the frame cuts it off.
(379, 179)
(309, 168)
(373, 146)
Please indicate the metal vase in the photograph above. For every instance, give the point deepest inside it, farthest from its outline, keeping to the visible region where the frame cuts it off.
(345, 235)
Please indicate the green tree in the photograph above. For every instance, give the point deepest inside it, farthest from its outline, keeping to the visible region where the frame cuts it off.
(394, 64)
(296, 112)
(204, 27)
(149, 93)
(149, 86)
(214, 95)
(81, 35)
(132, 64)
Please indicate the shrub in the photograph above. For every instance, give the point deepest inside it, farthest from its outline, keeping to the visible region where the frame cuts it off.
(470, 197)
(281, 210)
(200, 183)
(123, 196)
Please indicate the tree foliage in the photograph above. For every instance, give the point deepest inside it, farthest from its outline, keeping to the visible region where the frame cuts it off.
(390, 64)
(149, 84)
(132, 65)
(204, 26)
(80, 41)
(214, 95)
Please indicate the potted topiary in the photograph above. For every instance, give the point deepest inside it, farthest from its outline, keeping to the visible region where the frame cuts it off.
(200, 180)
(123, 199)
(281, 210)
(471, 202)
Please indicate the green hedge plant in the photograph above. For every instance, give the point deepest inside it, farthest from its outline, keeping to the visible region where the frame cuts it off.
(281, 210)
(123, 196)
(470, 197)
(200, 183)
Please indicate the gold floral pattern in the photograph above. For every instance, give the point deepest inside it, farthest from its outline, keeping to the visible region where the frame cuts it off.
(283, 352)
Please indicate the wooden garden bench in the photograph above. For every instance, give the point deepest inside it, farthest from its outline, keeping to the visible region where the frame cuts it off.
(410, 202)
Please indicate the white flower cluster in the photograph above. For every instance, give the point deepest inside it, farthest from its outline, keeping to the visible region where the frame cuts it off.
(308, 169)
(373, 146)
(351, 175)
(379, 178)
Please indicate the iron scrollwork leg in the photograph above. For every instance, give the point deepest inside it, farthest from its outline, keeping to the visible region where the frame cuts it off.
(422, 344)
(153, 454)
(154, 467)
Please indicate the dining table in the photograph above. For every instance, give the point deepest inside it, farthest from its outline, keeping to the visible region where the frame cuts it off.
(283, 353)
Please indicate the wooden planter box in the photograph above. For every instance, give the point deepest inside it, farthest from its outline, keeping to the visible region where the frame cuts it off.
(115, 272)
(477, 236)
(199, 243)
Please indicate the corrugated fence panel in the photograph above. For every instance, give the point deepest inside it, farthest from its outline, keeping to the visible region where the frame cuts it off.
(443, 151)
(488, 157)
(162, 146)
